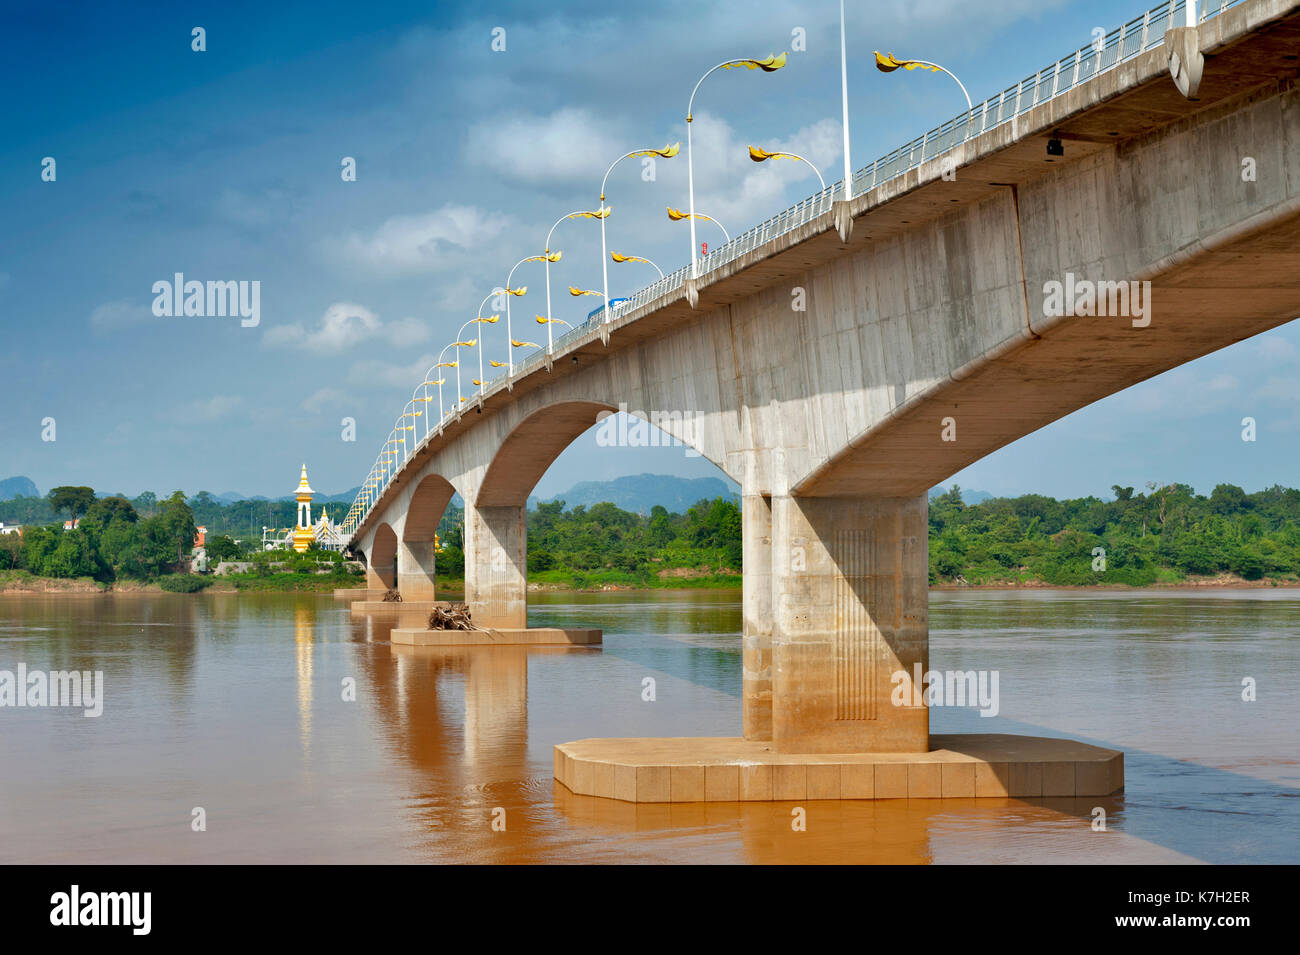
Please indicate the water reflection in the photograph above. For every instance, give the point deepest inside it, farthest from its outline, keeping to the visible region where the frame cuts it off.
(304, 619)
(233, 702)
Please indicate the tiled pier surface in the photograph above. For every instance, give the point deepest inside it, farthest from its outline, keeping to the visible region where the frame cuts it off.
(405, 608)
(533, 636)
(725, 769)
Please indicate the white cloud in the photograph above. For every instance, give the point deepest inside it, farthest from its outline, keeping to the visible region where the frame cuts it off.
(114, 316)
(438, 240)
(346, 325)
(1271, 348)
(407, 331)
(323, 398)
(569, 146)
(737, 191)
(1283, 389)
(390, 375)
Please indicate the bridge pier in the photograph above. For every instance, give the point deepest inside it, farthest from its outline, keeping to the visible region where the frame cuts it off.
(835, 602)
(496, 560)
(415, 570)
(850, 609)
(380, 581)
(756, 604)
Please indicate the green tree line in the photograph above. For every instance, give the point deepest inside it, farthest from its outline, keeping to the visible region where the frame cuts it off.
(1166, 534)
(142, 539)
(603, 542)
(239, 519)
(111, 540)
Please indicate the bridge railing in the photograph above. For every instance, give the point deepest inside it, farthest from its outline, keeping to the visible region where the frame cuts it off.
(1104, 53)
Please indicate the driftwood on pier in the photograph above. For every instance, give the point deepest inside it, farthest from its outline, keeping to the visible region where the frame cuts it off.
(451, 617)
(392, 596)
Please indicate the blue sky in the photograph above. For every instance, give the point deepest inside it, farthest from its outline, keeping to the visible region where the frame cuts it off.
(225, 165)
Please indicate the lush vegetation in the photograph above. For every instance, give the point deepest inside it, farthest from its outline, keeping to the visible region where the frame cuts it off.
(603, 545)
(1166, 535)
(113, 541)
(240, 519)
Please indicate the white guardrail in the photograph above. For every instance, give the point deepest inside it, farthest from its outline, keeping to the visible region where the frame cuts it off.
(1123, 43)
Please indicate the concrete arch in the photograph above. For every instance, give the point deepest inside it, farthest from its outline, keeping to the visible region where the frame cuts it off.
(530, 449)
(496, 535)
(416, 554)
(429, 501)
(381, 562)
(537, 440)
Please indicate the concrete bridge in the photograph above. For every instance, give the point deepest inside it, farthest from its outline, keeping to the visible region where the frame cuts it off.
(840, 369)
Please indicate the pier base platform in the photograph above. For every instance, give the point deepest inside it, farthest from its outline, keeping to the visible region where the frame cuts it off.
(724, 769)
(533, 636)
(404, 608)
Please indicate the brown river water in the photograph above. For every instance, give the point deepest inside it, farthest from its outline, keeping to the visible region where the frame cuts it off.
(235, 704)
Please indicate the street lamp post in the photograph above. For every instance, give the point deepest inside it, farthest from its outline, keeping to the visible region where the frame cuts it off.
(458, 345)
(618, 257)
(492, 319)
(576, 292)
(477, 320)
(668, 152)
(424, 399)
(769, 65)
(550, 257)
(844, 105)
(887, 63)
(412, 414)
(677, 215)
(442, 413)
(509, 291)
(762, 155)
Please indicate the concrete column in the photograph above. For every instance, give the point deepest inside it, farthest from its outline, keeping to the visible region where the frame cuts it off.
(850, 610)
(496, 561)
(756, 541)
(415, 568)
(380, 578)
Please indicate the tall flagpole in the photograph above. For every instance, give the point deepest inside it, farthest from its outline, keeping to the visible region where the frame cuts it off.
(844, 95)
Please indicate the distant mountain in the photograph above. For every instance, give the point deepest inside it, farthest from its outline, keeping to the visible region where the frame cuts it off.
(641, 492)
(233, 497)
(17, 487)
(968, 496)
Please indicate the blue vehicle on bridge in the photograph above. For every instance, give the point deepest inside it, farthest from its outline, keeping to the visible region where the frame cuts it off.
(596, 311)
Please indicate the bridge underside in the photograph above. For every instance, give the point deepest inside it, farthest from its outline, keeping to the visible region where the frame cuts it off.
(1230, 288)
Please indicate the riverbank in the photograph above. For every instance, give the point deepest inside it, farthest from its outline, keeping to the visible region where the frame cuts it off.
(1215, 582)
(21, 582)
